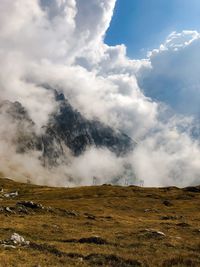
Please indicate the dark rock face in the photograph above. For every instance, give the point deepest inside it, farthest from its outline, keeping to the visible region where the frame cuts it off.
(24, 136)
(78, 133)
(66, 128)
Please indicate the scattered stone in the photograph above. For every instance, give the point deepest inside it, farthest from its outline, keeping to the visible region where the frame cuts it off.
(90, 216)
(27, 206)
(15, 240)
(8, 246)
(81, 259)
(22, 209)
(30, 204)
(14, 210)
(151, 233)
(9, 210)
(11, 195)
(30, 207)
(70, 213)
(18, 239)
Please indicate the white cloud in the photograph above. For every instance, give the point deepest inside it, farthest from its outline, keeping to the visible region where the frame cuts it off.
(60, 43)
(168, 157)
(98, 163)
(173, 76)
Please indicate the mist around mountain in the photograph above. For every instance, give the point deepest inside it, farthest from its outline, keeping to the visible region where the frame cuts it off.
(66, 135)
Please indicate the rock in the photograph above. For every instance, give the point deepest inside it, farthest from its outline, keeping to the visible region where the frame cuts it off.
(14, 210)
(8, 246)
(90, 216)
(30, 204)
(12, 194)
(22, 209)
(81, 259)
(69, 213)
(18, 240)
(30, 207)
(9, 210)
(151, 233)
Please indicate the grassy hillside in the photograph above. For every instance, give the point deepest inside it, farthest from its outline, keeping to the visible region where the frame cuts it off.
(99, 226)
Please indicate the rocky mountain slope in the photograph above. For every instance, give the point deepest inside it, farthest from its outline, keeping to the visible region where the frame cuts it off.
(66, 128)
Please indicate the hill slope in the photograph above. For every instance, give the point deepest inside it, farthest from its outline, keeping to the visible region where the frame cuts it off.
(99, 226)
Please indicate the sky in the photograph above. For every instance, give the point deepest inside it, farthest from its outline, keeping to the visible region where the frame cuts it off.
(143, 24)
(154, 97)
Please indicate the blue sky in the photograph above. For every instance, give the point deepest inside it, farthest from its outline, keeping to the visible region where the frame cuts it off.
(143, 24)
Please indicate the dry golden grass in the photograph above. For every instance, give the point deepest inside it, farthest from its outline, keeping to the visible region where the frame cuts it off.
(117, 215)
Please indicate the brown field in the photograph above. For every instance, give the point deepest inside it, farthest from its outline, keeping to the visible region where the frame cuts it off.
(100, 226)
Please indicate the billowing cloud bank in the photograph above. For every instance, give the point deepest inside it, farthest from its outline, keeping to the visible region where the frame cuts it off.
(155, 100)
(174, 74)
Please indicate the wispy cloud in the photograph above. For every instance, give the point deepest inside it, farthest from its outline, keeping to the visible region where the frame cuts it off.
(61, 43)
